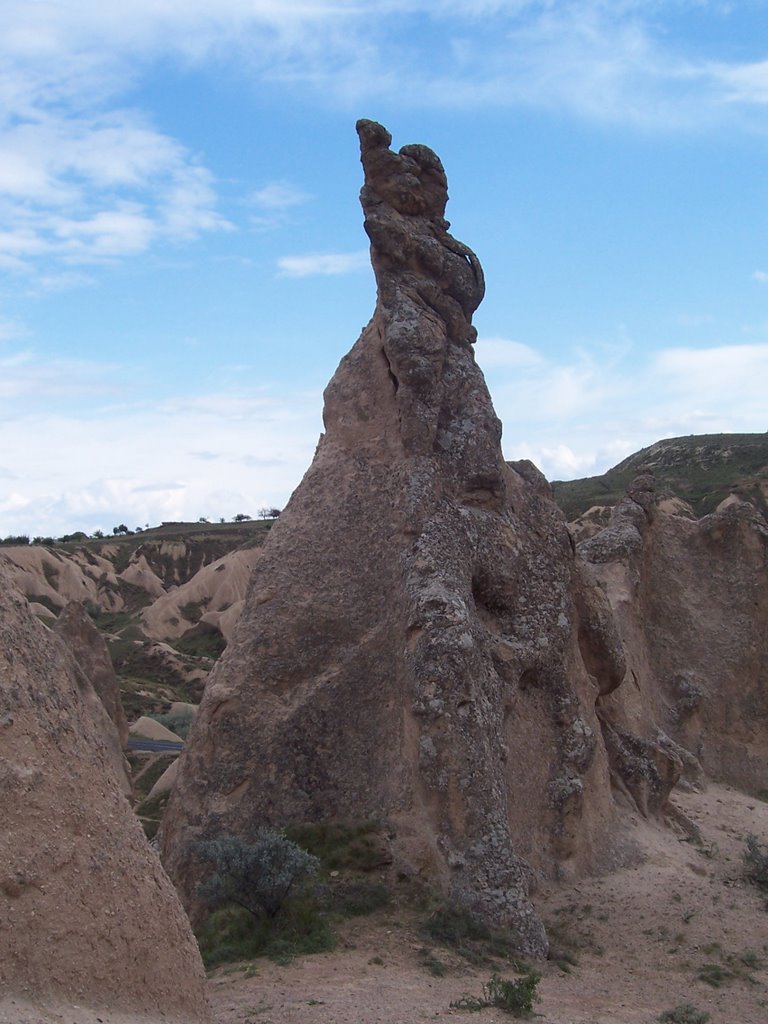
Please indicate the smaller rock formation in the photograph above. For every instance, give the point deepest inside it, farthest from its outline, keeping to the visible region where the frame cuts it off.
(151, 729)
(690, 601)
(92, 928)
(77, 630)
(98, 685)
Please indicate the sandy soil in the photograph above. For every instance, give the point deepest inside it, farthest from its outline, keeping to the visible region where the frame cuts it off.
(640, 937)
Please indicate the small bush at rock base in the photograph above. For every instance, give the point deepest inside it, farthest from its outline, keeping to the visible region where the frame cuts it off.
(258, 875)
(233, 933)
(261, 901)
(342, 846)
(455, 927)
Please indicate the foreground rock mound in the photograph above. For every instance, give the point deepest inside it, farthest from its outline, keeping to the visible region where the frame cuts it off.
(409, 648)
(89, 918)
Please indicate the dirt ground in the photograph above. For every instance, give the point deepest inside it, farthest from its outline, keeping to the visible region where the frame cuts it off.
(640, 937)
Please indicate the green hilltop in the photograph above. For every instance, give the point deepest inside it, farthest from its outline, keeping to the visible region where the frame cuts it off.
(702, 469)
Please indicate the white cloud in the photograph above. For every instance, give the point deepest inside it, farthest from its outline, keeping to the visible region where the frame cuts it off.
(279, 195)
(746, 83)
(85, 189)
(322, 264)
(761, 276)
(580, 415)
(503, 352)
(123, 474)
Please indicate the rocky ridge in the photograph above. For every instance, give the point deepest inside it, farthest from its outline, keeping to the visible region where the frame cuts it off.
(702, 469)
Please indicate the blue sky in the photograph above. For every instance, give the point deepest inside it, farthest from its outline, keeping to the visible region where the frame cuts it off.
(182, 261)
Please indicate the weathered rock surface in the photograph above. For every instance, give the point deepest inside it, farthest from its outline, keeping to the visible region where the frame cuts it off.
(151, 729)
(89, 919)
(690, 600)
(411, 648)
(77, 630)
(99, 686)
(213, 596)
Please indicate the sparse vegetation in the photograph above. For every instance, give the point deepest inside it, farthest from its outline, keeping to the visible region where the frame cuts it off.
(147, 769)
(685, 1013)
(358, 897)
(261, 900)
(341, 846)
(715, 975)
(702, 469)
(232, 933)
(435, 966)
(756, 861)
(257, 876)
(516, 996)
(202, 641)
(179, 722)
(456, 928)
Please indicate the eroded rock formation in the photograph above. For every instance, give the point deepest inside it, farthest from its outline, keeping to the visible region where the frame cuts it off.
(412, 647)
(90, 651)
(90, 921)
(690, 600)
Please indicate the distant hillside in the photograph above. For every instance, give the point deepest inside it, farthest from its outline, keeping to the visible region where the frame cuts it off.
(701, 469)
(166, 599)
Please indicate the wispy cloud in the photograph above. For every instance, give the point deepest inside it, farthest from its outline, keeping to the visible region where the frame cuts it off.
(761, 276)
(279, 195)
(31, 381)
(322, 264)
(84, 179)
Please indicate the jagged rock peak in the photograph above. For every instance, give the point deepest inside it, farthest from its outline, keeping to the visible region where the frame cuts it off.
(411, 387)
(404, 199)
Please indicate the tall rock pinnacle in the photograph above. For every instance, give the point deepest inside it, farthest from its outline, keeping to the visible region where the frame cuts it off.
(409, 649)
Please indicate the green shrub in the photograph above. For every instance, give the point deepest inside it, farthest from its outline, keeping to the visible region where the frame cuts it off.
(715, 975)
(192, 611)
(341, 846)
(233, 933)
(516, 997)
(685, 1013)
(202, 641)
(261, 900)
(756, 861)
(453, 926)
(356, 898)
(258, 875)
